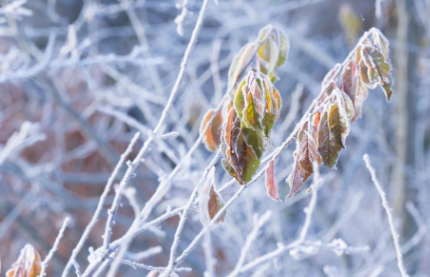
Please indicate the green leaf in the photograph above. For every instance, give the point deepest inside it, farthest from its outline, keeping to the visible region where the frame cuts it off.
(258, 103)
(274, 51)
(284, 47)
(346, 113)
(241, 160)
(269, 123)
(254, 107)
(255, 140)
(334, 124)
(239, 100)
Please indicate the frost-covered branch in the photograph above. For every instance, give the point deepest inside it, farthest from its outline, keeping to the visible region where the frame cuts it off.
(387, 208)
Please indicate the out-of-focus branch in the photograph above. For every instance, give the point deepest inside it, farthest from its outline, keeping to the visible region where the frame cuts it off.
(99, 206)
(258, 224)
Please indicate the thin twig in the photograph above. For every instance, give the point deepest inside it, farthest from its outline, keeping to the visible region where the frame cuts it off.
(54, 248)
(175, 244)
(131, 195)
(387, 208)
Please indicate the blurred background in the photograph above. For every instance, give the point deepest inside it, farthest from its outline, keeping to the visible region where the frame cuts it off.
(76, 76)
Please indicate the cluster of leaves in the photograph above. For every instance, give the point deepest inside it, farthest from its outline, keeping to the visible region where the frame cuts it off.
(27, 265)
(242, 129)
(243, 126)
(323, 133)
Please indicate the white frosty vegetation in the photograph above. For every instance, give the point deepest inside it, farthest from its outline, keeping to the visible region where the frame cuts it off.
(205, 192)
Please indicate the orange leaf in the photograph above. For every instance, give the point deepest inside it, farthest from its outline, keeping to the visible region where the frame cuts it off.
(27, 265)
(212, 137)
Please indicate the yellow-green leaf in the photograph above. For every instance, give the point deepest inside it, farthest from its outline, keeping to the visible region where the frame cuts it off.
(239, 63)
(328, 146)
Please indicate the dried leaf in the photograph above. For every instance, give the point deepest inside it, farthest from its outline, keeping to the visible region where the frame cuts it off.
(308, 152)
(350, 79)
(271, 185)
(296, 178)
(212, 137)
(381, 42)
(332, 75)
(278, 100)
(239, 61)
(359, 98)
(210, 202)
(383, 70)
(328, 147)
(152, 273)
(367, 67)
(27, 265)
(354, 88)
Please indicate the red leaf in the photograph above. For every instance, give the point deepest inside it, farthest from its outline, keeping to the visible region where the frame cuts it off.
(271, 185)
(296, 178)
(308, 152)
(210, 201)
